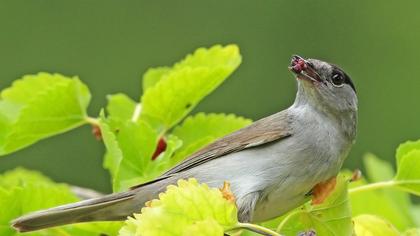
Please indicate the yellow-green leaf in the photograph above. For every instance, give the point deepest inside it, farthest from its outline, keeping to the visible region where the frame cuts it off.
(208, 227)
(183, 209)
(23, 191)
(370, 225)
(39, 106)
(120, 107)
(408, 174)
(136, 142)
(180, 88)
(405, 148)
(391, 204)
(153, 76)
(412, 232)
(331, 218)
(114, 155)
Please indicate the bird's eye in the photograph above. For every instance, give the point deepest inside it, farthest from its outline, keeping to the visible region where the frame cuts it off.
(337, 80)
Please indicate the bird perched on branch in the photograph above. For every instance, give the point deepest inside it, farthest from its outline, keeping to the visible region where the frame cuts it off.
(273, 165)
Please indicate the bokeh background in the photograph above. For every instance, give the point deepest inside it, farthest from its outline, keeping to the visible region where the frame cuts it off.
(110, 44)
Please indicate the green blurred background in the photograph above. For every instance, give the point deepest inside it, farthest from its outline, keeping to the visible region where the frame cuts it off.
(110, 44)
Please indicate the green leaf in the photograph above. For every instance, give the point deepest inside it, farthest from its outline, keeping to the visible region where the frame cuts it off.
(166, 89)
(385, 205)
(405, 148)
(23, 191)
(187, 83)
(19, 200)
(332, 217)
(390, 204)
(377, 169)
(202, 129)
(129, 152)
(164, 161)
(415, 212)
(208, 227)
(20, 176)
(412, 232)
(393, 205)
(39, 106)
(138, 142)
(93, 229)
(120, 107)
(130, 146)
(114, 155)
(153, 76)
(176, 212)
(408, 174)
(370, 225)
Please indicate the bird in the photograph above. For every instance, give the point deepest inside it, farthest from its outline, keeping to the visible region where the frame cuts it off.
(273, 165)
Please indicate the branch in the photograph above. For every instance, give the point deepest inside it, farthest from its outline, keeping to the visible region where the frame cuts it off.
(256, 229)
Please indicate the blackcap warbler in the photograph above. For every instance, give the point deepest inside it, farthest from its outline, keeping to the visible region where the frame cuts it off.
(272, 165)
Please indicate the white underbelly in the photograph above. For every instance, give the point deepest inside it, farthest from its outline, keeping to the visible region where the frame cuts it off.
(281, 200)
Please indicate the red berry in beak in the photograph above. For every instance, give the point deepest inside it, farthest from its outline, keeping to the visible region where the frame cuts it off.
(297, 68)
(298, 65)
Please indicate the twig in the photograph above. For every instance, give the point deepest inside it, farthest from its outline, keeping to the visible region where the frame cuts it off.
(257, 229)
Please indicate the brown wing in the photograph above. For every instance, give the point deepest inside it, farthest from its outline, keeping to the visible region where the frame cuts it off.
(263, 131)
(268, 129)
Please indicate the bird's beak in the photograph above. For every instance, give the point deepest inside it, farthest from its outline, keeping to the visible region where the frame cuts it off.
(304, 69)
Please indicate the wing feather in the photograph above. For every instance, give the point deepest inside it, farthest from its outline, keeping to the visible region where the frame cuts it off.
(268, 129)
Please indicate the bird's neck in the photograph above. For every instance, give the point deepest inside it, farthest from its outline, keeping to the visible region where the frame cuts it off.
(345, 121)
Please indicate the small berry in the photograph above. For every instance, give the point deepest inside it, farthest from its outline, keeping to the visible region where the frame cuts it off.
(297, 68)
(96, 131)
(161, 147)
(302, 63)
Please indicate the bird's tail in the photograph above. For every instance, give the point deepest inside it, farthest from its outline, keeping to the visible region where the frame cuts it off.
(108, 208)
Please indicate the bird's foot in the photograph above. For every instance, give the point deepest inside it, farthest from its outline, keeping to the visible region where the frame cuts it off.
(322, 190)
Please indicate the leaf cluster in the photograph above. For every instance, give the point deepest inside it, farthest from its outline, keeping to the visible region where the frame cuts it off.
(142, 138)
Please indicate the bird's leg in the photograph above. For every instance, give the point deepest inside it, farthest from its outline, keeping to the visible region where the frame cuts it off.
(322, 190)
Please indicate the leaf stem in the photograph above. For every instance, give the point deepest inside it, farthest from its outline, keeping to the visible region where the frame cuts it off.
(383, 184)
(284, 221)
(257, 229)
(92, 121)
(372, 186)
(136, 113)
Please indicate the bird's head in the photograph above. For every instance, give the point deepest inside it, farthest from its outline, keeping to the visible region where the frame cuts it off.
(324, 85)
(327, 88)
